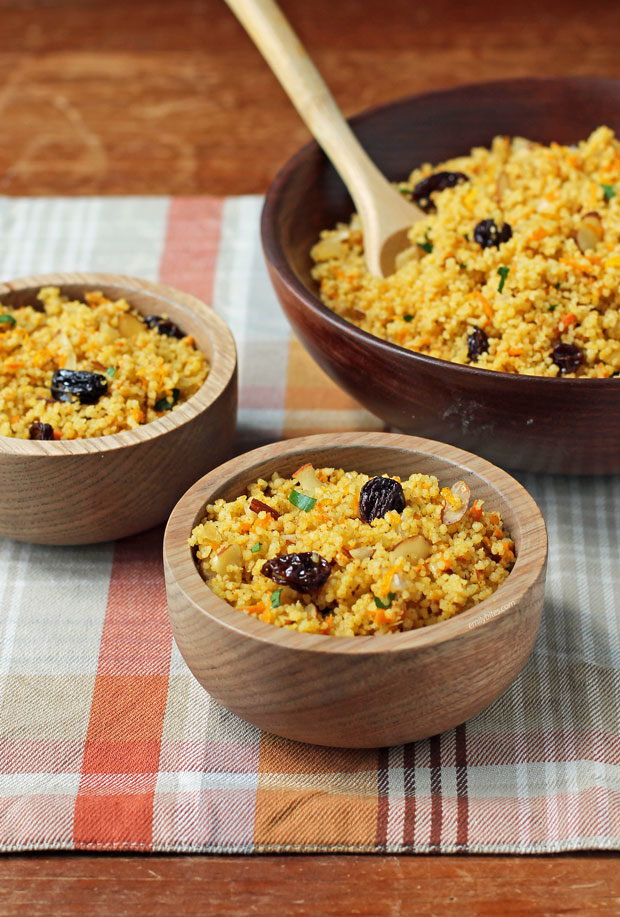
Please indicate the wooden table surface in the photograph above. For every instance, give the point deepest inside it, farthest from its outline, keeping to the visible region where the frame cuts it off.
(170, 97)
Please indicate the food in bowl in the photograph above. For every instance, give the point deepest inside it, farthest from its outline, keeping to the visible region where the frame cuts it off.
(329, 551)
(515, 269)
(72, 368)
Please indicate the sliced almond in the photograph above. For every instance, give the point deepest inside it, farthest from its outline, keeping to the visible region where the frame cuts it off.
(68, 351)
(362, 553)
(228, 556)
(308, 481)
(210, 532)
(456, 501)
(327, 249)
(501, 185)
(589, 232)
(129, 326)
(415, 547)
(520, 144)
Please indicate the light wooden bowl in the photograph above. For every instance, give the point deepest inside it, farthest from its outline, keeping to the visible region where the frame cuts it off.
(106, 487)
(567, 426)
(358, 691)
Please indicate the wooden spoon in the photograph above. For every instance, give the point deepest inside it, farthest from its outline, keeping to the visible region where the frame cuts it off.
(385, 214)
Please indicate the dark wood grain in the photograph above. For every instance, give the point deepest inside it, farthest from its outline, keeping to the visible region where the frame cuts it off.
(515, 421)
(172, 98)
(201, 113)
(295, 886)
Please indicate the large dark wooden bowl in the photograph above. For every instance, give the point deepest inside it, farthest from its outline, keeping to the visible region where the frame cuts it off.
(570, 426)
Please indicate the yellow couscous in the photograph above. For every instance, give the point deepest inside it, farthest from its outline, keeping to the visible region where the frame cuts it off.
(329, 551)
(71, 369)
(516, 268)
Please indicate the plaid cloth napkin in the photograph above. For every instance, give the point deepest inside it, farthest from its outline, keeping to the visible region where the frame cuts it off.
(108, 743)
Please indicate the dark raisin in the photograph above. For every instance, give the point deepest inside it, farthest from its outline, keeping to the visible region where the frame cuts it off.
(257, 505)
(567, 356)
(477, 343)
(164, 326)
(378, 496)
(488, 234)
(40, 430)
(437, 182)
(86, 387)
(304, 571)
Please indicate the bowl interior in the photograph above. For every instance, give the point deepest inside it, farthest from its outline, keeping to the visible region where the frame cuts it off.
(211, 335)
(308, 195)
(372, 454)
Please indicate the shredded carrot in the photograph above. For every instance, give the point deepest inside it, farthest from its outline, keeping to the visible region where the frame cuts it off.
(266, 616)
(386, 581)
(424, 342)
(567, 321)
(57, 435)
(540, 233)
(494, 519)
(515, 351)
(576, 265)
(476, 512)
(486, 305)
(380, 618)
(15, 418)
(255, 609)
(498, 533)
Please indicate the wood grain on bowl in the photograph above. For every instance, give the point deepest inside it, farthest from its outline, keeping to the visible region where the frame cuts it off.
(358, 691)
(96, 489)
(569, 426)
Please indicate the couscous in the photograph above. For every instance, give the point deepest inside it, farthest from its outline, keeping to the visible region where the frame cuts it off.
(72, 368)
(337, 552)
(516, 268)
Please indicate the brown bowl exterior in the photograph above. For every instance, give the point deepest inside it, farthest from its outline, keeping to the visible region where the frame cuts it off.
(360, 691)
(106, 487)
(570, 426)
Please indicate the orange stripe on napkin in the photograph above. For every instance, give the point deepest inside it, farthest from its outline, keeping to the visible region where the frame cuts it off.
(122, 748)
(191, 245)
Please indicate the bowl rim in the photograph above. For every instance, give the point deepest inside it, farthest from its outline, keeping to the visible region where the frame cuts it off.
(223, 363)
(277, 259)
(180, 568)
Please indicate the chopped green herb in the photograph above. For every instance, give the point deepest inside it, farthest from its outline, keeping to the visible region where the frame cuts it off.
(426, 246)
(557, 286)
(256, 547)
(301, 501)
(466, 236)
(275, 598)
(609, 191)
(110, 371)
(462, 266)
(164, 405)
(407, 318)
(552, 308)
(503, 273)
(7, 320)
(404, 189)
(388, 601)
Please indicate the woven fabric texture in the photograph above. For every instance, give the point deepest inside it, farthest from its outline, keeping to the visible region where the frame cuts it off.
(108, 743)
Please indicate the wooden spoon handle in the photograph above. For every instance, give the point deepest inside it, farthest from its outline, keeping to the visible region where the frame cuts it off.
(275, 39)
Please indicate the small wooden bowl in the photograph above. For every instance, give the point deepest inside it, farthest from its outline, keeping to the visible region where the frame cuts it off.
(358, 691)
(541, 424)
(105, 487)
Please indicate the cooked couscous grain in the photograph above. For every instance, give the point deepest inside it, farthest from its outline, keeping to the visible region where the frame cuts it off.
(296, 552)
(72, 369)
(516, 268)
